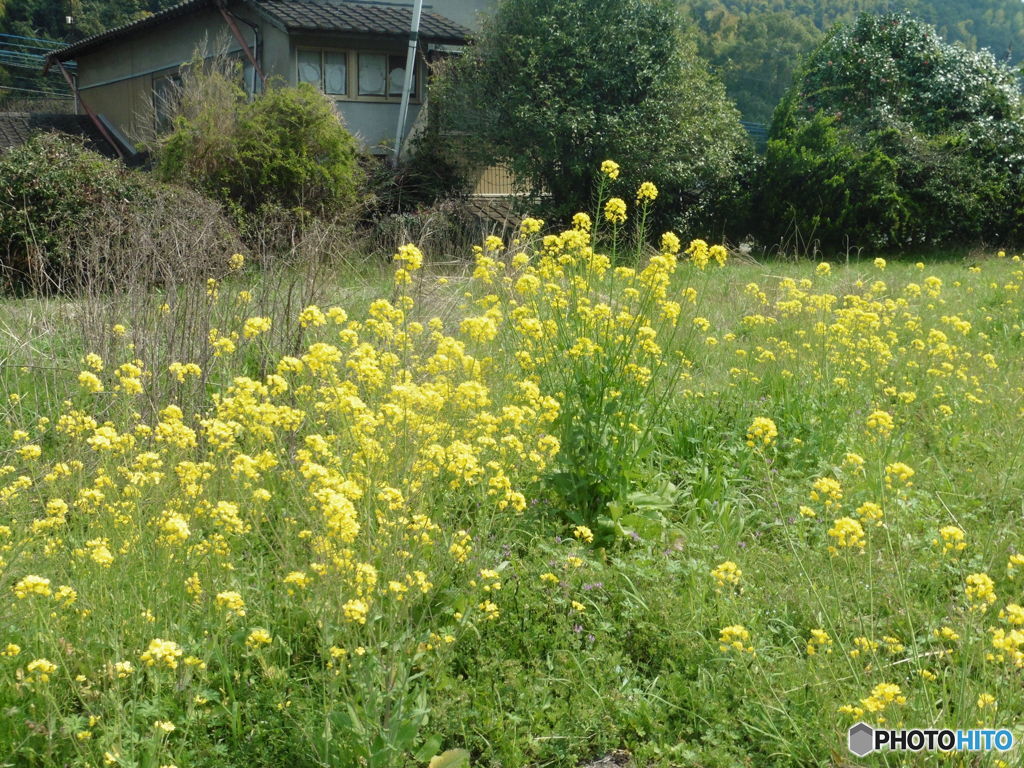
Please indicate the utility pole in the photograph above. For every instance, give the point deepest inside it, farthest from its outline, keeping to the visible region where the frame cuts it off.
(410, 73)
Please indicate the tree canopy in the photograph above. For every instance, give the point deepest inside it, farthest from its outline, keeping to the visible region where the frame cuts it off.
(892, 138)
(554, 87)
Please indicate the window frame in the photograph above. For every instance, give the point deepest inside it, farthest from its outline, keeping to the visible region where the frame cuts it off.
(352, 74)
(388, 97)
(160, 85)
(323, 51)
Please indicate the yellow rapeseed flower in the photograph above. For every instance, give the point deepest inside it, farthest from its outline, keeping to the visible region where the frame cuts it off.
(162, 652)
(727, 574)
(356, 611)
(882, 695)
(583, 533)
(615, 210)
(647, 193)
(90, 382)
(980, 591)
(489, 610)
(735, 638)
(258, 638)
(898, 475)
(880, 423)
(848, 533)
(762, 430)
(39, 670)
(254, 326)
(953, 540)
(32, 585)
(232, 602)
(819, 640)
(610, 169)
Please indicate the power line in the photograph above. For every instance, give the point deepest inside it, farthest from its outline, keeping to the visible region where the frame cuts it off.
(25, 52)
(54, 94)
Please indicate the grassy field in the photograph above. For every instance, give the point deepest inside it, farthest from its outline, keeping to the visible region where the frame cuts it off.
(559, 503)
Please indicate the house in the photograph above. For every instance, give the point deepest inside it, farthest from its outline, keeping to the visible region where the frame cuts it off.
(355, 52)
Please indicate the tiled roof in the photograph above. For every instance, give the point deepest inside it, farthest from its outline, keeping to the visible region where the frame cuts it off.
(353, 18)
(18, 127)
(361, 19)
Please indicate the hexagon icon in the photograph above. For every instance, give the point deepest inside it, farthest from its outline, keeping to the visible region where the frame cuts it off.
(861, 739)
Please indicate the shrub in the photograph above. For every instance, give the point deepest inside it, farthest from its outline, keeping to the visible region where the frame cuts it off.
(429, 173)
(48, 187)
(447, 228)
(425, 200)
(890, 138)
(286, 150)
(72, 218)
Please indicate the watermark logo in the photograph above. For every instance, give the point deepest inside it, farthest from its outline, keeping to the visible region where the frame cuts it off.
(862, 740)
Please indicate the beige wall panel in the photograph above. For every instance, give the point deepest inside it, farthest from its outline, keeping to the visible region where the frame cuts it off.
(116, 80)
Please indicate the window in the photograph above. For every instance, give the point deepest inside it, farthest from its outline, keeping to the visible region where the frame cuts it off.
(335, 72)
(310, 69)
(382, 74)
(373, 70)
(396, 76)
(377, 76)
(327, 70)
(165, 92)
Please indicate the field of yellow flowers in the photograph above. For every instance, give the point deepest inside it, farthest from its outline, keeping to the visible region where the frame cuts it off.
(601, 496)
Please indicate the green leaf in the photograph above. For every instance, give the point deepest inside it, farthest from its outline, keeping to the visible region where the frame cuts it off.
(430, 747)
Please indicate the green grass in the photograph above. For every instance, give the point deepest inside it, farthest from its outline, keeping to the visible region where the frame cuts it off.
(619, 651)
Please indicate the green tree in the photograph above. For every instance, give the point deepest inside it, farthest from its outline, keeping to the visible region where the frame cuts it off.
(891, 138)
(554, 87)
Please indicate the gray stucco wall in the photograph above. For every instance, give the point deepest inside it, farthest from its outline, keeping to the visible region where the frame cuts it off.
(374, 124)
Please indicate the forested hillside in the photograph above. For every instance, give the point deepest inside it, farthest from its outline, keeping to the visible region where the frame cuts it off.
(754, 45)
(48, 18)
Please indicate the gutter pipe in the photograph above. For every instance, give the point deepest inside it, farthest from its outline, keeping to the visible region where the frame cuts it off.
(230, 19)
(255, 51)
